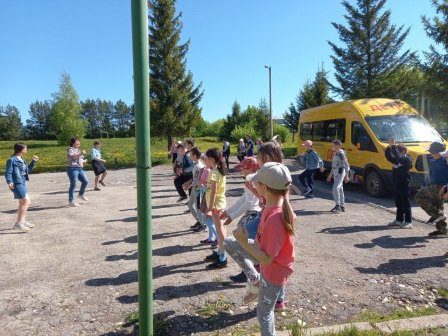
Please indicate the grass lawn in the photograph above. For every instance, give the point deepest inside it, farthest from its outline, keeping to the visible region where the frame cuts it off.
(119, 152)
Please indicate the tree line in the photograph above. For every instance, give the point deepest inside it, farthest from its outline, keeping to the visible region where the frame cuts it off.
(65, 116)
(369, 63)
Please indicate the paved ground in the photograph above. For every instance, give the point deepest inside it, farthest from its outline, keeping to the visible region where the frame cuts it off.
(75, 274)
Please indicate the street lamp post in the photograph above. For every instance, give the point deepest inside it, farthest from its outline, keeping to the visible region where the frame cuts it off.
(271, 130)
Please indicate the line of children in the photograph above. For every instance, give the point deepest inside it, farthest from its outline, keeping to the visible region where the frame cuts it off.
(194, 203)
(428, 197)
(16, 174)
(98, 165)
(401, 179)
(312, 162)
(273, 246)
(339, 172)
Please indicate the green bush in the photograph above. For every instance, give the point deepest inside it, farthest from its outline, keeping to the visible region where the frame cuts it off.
(282, 131)
(241, 132)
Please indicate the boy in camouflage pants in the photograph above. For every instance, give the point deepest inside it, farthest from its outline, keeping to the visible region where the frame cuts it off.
(428, 197)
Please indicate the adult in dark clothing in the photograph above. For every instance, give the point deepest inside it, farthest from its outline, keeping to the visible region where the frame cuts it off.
(401, 180)
(250, 146)
(186, 172)
(226, 151)
(428, 197)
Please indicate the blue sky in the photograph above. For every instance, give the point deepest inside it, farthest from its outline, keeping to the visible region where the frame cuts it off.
(231, 41)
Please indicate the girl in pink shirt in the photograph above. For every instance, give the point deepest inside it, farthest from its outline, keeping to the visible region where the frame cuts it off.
(273, 246)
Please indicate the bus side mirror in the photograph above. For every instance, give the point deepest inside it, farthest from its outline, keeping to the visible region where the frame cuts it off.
(363, 143)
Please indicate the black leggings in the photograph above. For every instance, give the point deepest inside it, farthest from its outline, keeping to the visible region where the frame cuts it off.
(404, 209)
(180, 181)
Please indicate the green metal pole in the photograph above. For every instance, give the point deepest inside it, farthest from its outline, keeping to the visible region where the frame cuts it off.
(139, 9)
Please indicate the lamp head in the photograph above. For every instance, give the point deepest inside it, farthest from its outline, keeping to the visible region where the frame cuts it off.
(266, 66)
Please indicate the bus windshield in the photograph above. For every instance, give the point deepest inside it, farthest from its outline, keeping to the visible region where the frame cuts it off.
(404, 128)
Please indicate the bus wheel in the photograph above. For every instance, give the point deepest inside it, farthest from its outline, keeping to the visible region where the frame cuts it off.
(374, 184)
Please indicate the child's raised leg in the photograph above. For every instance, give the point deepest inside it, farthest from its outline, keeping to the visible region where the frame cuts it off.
(97, 178)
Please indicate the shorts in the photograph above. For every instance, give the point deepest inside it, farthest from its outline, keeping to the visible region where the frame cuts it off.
(174, 157)
(216, 211)
(98, 167)
(20, 191)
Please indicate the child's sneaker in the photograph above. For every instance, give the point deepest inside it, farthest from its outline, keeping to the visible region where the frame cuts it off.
(306, 192)
(279, 306)
(309, 195)
(215, 243)
(407, 225)
(21, 227)
(206, 242)
(395, 223)
(200, 228)
(218, 264)
(239, 278)
(336, 209)
(195, 226)
(73, 204)
(212, 257)
(30, 225)
(181, 199)
(342, 209)
(252, 293)
(83, 198)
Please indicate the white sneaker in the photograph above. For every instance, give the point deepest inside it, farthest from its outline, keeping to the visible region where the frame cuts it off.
(21, 227)
(252, 293)
(30, 225)
(73, 204)
(83, 198)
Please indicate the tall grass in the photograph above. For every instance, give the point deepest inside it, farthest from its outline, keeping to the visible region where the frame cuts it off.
(118, 152)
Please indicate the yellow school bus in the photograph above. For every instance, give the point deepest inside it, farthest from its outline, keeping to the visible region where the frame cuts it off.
(364, 127)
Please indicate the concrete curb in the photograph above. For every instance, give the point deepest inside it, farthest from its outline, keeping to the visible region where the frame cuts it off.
(415, 323)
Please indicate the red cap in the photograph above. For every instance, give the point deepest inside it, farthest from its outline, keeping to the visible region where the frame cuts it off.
(248, 163)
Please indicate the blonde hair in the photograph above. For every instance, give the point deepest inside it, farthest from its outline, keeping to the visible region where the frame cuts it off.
(287, 212)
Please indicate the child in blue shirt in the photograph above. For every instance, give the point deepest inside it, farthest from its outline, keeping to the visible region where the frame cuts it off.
(98, 165)
(312, 162)
(16, 176)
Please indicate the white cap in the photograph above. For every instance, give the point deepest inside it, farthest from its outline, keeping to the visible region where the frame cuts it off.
(272, 174)
(179, 142)
(241, 140)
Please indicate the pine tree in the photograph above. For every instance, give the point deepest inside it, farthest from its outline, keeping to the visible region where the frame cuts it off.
(174, 99)
(321, 88)
(66, 114)
(39, 126)
(291, 117)
(232, 120)
(369, 64)
(262, 120)
(11, 127)
(122, 118)
(436, 66)
(90, 115)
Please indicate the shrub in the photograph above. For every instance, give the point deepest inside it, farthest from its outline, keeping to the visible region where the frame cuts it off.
(241, 132)
(282, 131)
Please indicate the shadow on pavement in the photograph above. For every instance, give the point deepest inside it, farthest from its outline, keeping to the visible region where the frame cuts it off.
(166, 293)
(355, 229)
(406, 266)
(396, 242)
(34, 208)
(168, 251)
(129, 240)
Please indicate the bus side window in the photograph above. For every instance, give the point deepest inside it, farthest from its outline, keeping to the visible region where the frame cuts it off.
(361, 139)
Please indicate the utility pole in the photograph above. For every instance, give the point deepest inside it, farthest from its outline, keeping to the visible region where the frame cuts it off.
(271, 129)
(139, 11)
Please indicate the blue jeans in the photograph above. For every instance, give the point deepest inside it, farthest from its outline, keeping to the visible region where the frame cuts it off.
(306, 178)
(252, 228)
(74, 174)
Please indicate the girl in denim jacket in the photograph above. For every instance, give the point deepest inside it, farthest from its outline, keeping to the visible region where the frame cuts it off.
(16, 175)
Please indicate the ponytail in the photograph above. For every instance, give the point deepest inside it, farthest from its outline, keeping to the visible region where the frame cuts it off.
(215, 154)
(287, 212)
